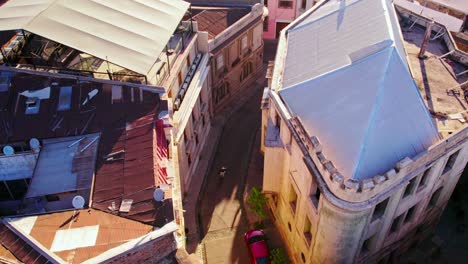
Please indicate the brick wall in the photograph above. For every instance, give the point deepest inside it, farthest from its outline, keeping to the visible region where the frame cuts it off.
(150, 252)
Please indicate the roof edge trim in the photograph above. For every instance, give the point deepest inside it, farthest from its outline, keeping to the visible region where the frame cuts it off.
(52, 257)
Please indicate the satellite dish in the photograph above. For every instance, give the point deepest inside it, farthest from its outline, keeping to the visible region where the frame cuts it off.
(34, 144)
(158, 195)
(8, 150)
(78, 202)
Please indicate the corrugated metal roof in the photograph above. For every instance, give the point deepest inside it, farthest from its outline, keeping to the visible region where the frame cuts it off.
(17, 247)
(127, 166)
(69, 166)
(363, 105)
(128, 33)
(329, 34)
(215, 21)
(112, 231)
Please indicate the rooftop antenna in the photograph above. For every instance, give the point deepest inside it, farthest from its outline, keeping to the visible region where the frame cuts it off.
(78, 202)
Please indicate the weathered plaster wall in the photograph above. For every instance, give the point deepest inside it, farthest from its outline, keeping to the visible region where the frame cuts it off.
(338, 234)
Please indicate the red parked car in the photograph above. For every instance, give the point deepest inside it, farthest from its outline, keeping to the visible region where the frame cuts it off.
(258, 250)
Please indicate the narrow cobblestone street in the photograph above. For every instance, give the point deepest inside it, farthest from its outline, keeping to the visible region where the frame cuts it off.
(215, 217)
(222, 218)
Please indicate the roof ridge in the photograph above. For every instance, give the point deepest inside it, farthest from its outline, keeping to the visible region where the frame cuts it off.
(371, 120)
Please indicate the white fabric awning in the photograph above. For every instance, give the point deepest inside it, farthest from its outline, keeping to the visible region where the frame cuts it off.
(128, 33)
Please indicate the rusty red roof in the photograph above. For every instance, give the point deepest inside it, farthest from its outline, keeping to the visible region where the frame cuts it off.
(13, 245)
(127, 165)
(216, 20)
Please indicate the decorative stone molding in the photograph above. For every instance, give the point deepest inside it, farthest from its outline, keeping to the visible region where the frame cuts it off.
(330, 167)
(378, 179)
(367, 185)
(337, 178)
(403, 163)
(316, 144)
(352, 185)
(321, 157)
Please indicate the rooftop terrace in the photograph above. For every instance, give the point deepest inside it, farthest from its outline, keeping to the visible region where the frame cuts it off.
(437, 80)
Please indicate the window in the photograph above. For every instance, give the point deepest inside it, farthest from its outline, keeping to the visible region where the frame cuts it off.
(246, 71)
(244, 44)
(380, 209)
(316, 197)
(307, 231)
(179, 78)
(285, 4)
(278, 121)
(303, 4)
(196, 139)
(410, 214)
(219, 62)
(188, 61)
(220, 92)
(265, 2)
(396, 224)
(367, 245)
(203, 120)
(189, 160)
(289, 227)
(65, 95)
(265, 24)
(451, 161)
(116, 93)
(424, 178)
(303, 257)
(410, 187)
(292, 198)
(434, 198)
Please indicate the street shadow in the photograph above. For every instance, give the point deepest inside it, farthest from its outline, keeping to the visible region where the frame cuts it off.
(221, 208)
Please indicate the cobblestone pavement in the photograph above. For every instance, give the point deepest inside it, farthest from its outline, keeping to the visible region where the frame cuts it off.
(222, 217)
(233, 142)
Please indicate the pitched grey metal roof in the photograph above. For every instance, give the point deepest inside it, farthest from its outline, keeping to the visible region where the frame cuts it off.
(361, 101)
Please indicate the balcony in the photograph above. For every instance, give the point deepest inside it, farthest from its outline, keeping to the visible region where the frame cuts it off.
(185, 85)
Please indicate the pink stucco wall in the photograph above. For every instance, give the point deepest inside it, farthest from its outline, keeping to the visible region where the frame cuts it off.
(276, 14)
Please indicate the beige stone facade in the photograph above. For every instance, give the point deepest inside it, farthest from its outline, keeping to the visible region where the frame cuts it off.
(222, 66)
(237, 56)
(325, 217)
(323, 221)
